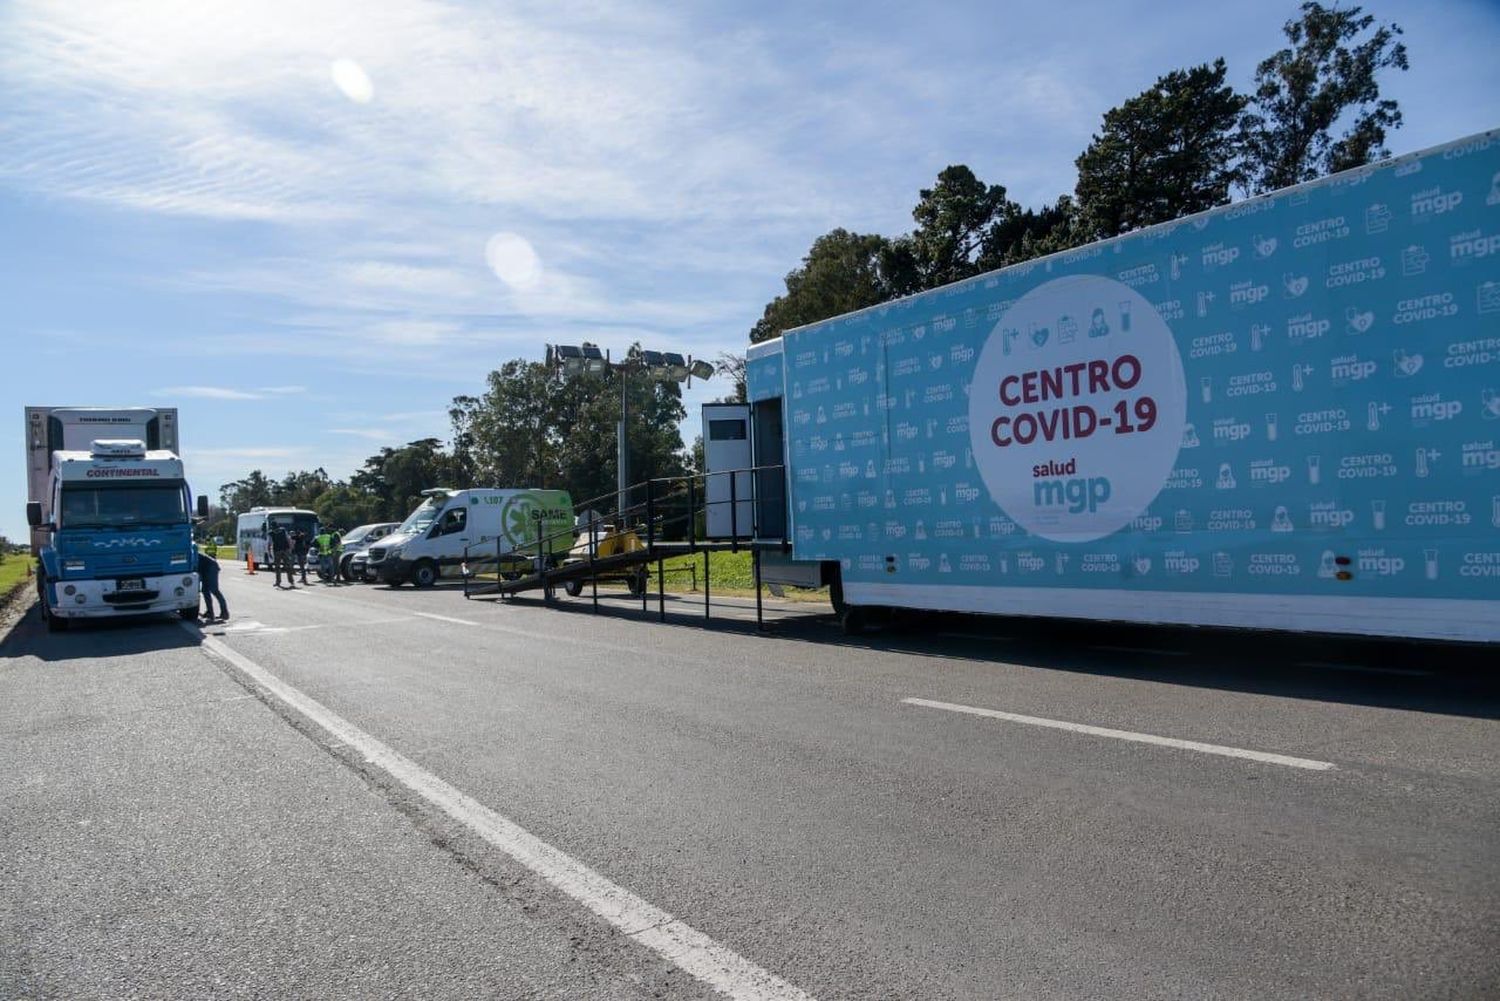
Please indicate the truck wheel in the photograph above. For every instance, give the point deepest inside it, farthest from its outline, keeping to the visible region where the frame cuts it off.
(55, 624)
(573, 587)
(424, 574)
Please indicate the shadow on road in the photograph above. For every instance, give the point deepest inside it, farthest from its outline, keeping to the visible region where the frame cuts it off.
(121, 637)
(1451, 679)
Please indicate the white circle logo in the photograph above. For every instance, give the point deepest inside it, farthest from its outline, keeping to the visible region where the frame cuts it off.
(1077, 408)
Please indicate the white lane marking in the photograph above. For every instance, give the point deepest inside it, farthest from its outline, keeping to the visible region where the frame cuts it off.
(677, 942)
(1131, 735)
(446, 618)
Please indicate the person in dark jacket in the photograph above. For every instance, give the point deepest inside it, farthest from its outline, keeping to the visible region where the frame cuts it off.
(300, 545)
(208, 579)
(281, 554)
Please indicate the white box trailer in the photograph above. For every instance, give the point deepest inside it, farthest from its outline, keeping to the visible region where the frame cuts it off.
(1283, 413)
(75, 429)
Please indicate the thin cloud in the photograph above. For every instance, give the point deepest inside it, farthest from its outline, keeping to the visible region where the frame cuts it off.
(208, 393)
(373, 434)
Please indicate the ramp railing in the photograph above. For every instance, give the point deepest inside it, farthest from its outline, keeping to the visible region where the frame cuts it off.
(671, 520)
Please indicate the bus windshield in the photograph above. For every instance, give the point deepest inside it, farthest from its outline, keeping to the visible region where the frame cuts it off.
(122, 504)
(422, 518)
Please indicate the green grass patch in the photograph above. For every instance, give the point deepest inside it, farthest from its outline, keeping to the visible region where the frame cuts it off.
(13, 573)
(728, 572)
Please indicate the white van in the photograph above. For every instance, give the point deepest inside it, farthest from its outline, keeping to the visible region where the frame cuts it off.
(252, 534)
(434, 539)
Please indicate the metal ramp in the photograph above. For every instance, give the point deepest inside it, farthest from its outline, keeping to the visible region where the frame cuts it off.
(670, 522)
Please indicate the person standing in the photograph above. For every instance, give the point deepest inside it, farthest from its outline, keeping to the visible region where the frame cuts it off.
(324, 542)
(281, 554)
(336, 557)
(300, 543)
(208, 580)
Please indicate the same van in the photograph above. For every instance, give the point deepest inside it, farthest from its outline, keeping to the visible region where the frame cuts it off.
(435, 539)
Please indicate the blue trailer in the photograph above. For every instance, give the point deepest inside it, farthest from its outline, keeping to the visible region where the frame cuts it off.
(1283, 413)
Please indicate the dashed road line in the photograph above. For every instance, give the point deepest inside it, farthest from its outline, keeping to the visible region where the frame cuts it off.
(1130, 735)
(445, 618)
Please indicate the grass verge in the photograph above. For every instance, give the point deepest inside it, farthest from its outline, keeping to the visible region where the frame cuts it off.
(13, 574)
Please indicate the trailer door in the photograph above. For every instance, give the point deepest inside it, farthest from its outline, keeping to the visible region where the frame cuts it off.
(770, 480)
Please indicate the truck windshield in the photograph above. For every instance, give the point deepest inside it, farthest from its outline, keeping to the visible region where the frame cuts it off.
(121, 504)
(422, 518)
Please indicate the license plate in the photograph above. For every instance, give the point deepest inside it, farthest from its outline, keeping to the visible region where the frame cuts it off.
(131, 584)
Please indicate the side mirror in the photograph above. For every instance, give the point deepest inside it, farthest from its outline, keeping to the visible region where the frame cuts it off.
(34, 514)
(202, 506)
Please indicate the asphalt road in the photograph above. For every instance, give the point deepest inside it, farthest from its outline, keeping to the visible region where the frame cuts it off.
(171, 826)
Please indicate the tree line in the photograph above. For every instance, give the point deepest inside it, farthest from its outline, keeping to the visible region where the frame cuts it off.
(529, 428)
(1187, 143)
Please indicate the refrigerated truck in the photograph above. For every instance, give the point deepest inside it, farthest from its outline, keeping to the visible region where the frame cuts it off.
(1283, 413)
(110, 513)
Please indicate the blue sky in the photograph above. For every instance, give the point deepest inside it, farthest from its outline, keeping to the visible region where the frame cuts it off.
(310, 225)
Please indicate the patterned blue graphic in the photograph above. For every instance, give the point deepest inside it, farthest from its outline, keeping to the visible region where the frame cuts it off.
(1339, 349)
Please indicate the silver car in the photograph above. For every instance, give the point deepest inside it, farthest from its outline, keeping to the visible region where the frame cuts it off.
(356, 541)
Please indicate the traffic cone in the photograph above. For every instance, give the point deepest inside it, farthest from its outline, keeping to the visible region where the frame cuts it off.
(249, 561)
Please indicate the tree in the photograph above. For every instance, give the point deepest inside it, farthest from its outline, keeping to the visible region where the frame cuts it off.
(533, 428)
(954, 219)
(1028, 233)
(841, 273)
(1169, 151)
(255, 490)
(396, 477)
(732, 366)
(1304, 91)
(345, 507)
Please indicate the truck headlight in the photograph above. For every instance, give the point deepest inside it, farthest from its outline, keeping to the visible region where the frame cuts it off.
(70, 590)
(187, 582)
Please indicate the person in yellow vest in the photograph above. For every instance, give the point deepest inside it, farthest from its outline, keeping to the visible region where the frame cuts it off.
(324, 542)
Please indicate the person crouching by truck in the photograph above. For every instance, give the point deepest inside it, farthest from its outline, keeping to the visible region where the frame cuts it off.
(208, 577)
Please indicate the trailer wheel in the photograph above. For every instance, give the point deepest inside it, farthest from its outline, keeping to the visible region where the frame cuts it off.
(573, 587)
(424, 574)
(636, 583)
(836, 591)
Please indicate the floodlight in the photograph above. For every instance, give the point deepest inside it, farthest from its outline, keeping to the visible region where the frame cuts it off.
(676, 366)
(594, 361)
(702, 370)
(567, 357)
(652, 359)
